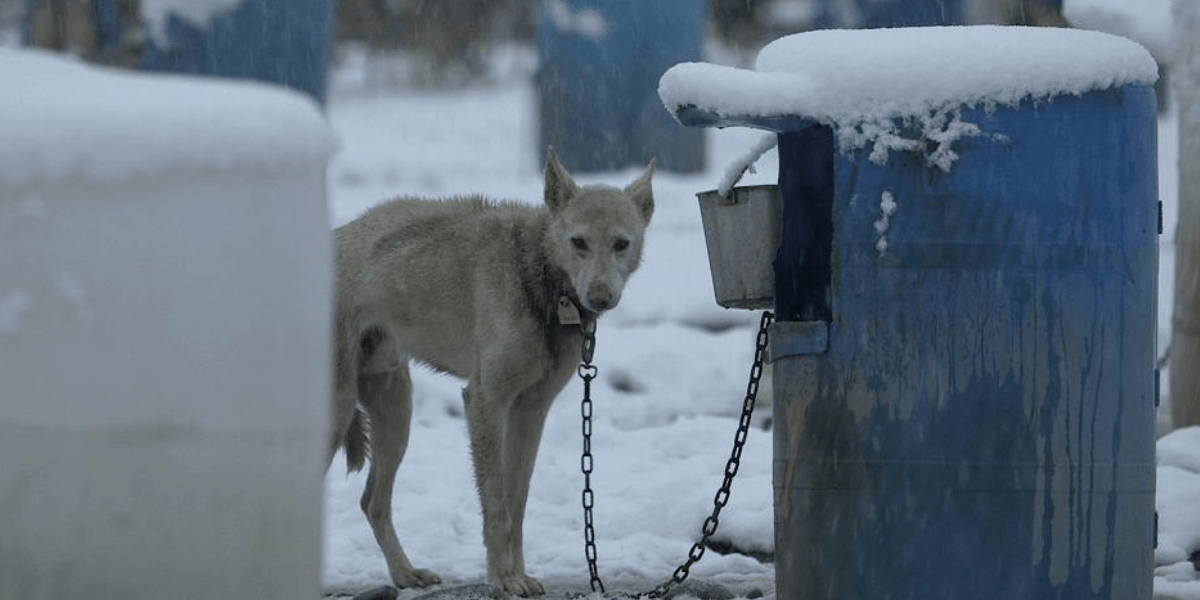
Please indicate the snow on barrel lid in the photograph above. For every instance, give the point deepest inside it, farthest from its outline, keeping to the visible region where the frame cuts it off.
(68, 120)
(849, 77)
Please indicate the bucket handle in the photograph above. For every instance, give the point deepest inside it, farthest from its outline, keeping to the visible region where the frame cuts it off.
(742, 164)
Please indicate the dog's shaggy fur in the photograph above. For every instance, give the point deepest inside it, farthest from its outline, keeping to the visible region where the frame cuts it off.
(474, 288)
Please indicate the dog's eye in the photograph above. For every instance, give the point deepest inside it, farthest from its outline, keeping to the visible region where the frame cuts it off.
(620, 245)
(579, 243)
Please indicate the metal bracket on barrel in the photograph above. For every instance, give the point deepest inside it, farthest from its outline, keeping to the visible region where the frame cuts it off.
(797, 338)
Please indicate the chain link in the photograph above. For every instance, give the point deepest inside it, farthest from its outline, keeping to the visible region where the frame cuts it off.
(731, 467)
(588, 372)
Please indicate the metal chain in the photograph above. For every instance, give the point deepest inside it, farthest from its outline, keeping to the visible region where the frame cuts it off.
(588, 372)
(731, 467)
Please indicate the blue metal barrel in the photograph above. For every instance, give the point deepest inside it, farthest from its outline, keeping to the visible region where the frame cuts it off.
(867, 14)
(269, 40)
(964, 370)
(600, 62)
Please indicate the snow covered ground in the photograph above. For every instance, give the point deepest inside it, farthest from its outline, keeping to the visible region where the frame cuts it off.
(673, 368)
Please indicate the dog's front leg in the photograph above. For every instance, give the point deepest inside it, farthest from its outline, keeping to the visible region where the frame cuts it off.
(488, 422)
(526, 422)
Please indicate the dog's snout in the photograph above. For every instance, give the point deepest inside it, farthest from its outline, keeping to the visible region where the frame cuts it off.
(601, 298)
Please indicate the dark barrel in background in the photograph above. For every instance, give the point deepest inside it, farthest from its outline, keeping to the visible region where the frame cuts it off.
(597, 82)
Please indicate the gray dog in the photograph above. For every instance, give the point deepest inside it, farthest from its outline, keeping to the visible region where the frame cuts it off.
(494, 293)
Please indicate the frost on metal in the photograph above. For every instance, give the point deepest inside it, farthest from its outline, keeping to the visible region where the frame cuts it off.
(934, 136)
(887, 208)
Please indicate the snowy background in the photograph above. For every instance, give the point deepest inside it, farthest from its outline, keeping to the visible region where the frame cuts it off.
(673, 365)
(673, 368)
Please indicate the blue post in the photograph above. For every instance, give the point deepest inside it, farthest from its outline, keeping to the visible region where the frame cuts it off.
(600, 65)
(269, 40)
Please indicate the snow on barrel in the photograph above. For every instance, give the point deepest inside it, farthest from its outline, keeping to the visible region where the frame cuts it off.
(966, 284)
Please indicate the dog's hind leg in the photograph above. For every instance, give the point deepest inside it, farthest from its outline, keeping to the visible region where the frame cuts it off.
(386, 397)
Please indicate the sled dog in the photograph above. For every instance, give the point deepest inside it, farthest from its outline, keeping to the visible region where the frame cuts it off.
(494, 293)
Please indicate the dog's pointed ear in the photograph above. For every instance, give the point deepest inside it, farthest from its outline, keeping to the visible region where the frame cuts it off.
(559, 185)
(642, 193)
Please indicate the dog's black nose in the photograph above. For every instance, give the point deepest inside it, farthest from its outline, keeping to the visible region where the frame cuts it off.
(600, 298)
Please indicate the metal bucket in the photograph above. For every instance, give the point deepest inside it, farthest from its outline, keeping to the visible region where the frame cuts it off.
(741, 231)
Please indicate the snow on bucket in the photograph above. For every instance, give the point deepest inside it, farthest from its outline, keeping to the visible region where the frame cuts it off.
(165, 335)
(741, 230)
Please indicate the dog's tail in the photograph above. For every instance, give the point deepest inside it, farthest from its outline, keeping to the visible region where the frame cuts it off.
(358, 440)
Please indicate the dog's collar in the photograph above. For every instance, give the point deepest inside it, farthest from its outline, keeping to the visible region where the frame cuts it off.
(571, 311)
(568, 311)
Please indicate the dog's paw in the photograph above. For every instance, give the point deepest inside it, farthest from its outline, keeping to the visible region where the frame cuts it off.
(416, 578)
(522, 585)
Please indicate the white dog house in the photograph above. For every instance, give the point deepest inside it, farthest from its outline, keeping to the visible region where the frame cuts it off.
(165, 301)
